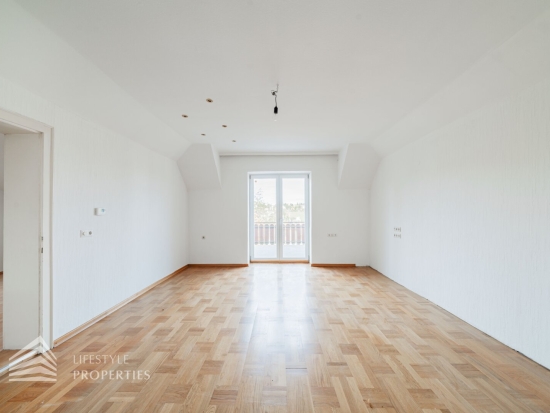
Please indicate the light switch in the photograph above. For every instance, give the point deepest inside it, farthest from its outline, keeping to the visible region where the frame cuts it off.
(100, 211)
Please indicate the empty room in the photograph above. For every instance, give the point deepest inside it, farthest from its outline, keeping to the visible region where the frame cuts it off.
(275, 206)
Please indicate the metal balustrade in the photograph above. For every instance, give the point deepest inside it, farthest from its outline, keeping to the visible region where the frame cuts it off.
(294, 233)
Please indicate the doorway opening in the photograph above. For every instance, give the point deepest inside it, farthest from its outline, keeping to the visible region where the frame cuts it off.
(25, 162)
(279, 217)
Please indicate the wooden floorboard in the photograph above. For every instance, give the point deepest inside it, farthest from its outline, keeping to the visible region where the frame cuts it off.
(284, 338)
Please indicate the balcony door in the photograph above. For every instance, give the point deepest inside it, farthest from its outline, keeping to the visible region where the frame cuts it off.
(279, 217)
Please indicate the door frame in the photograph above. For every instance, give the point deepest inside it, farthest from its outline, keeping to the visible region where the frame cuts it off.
(45, 320)
(279, 216)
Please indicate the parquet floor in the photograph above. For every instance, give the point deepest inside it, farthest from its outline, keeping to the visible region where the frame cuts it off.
(285, 338)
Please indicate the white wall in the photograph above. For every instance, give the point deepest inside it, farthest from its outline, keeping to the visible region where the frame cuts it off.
(22, 236)
(1, 161)
(1, 202)
(473, 202)
(96, 163)
(222, 215)
(1, 230)
(200, 167)
(143, 236)
(357, 165)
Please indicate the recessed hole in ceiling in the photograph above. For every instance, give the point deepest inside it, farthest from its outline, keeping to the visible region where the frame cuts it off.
(234, 141)
(203, 134)
(224, 126)
(209, 100)
(184, 116)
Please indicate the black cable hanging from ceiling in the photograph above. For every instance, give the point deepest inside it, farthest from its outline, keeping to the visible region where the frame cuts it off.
(274, 93)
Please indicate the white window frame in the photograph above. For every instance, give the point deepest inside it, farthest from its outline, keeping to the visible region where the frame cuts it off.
(279, 219)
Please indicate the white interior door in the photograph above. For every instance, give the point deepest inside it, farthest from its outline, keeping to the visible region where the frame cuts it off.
(279, 217)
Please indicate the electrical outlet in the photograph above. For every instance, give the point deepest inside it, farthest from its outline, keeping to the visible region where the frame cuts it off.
(332, 235)
(85, 233)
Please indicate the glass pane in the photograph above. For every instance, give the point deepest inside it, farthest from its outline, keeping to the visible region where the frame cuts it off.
(265, 218)
(294, 218)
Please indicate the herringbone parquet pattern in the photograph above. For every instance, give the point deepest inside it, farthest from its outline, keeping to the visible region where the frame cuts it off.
(286, 338)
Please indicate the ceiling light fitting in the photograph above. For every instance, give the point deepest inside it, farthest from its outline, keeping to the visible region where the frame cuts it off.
(276, 108)
(209, 100)
(184, 116)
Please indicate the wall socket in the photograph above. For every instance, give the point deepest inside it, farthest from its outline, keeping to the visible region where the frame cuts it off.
(332, 235)
(85, 233)
(397, 232)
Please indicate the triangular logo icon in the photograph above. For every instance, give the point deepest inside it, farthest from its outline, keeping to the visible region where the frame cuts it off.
(40, 366)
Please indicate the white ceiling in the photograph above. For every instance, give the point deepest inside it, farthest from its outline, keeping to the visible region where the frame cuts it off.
(348, 71)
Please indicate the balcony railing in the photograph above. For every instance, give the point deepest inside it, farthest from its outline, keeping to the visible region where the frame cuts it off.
(294, 233)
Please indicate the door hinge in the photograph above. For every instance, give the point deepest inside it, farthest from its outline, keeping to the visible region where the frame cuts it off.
(42, 250)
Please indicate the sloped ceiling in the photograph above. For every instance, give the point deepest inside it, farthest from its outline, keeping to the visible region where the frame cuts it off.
(348, 71)
(200, 167)
(521, 61)
(357, 164)
(36, 58)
